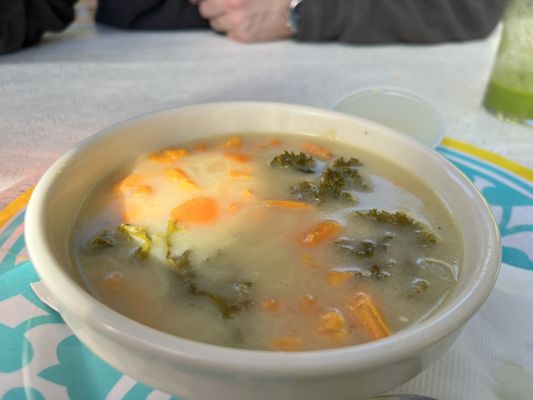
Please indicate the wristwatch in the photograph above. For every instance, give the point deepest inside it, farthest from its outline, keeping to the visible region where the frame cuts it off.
(295, 12)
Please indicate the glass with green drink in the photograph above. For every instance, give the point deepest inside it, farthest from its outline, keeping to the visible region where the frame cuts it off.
(509, 94)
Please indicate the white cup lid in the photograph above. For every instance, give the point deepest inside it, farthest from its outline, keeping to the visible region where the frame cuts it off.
(399, 109)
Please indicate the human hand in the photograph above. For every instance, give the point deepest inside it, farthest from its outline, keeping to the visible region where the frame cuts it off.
(247, 20)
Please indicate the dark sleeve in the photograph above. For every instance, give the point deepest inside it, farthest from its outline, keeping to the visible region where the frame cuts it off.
(23, 22)
(390, 21)
(150, 14)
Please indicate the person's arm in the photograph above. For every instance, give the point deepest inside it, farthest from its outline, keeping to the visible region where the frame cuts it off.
(150, 14)
(23, 22)
(389, 21)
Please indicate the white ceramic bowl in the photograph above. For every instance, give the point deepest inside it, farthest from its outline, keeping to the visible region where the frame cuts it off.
(201, 371)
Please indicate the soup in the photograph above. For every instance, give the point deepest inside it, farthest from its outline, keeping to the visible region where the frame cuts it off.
(268, 242)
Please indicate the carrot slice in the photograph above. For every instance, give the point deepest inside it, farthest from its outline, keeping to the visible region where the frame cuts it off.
(235, 206)
(331, 321)
(333, 324)
(308, 305)
(296, 205)
(196, 211)
(168, 156)
(240, 174)
(177, 174)
(287, 343)
(248, 195)
(270, 305)
(134, 184)
(113, 281)
(201, 147)
(364, 312)
(313, 262)
(238, 157)
(336, 278)
(273, 142)
(320, 233)
(232, 142)
(317, 151)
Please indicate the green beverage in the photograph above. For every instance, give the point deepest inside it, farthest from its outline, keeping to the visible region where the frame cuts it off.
(509, 94)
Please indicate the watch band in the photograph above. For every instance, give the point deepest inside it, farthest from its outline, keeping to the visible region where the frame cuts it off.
(295, 12)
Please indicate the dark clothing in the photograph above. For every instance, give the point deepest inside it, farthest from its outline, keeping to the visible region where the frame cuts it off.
(150, 14)
(23, 22)
(389, 21)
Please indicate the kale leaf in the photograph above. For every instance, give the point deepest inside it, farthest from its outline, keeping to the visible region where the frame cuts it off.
(300, 162)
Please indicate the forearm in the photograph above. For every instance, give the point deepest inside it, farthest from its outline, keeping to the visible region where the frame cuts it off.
(23, 22)
(389, 21)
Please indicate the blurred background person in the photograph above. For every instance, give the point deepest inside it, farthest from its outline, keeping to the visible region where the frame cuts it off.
(24, 22)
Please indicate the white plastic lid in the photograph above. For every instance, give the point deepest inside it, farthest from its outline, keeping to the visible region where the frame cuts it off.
(399, 109)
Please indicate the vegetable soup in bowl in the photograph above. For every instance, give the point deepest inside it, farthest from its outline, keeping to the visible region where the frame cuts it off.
(262, 250)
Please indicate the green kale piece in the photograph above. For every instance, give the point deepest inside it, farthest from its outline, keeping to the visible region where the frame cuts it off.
(348, 170)
(382, 216)
(102, 240)
(299, 162)
(418, 285)
(332, 184)
(306, 191)
(363, 249)
(231, 305)
(335, 183)
(184, 271)
(139, 235)
(342, 163)
(424, 235)
(172, 228)
(378, 273)
(228, 305)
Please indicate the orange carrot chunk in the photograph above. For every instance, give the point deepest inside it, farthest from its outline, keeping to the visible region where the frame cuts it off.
(313, 262)
(308, 305)
(297, 205)
(333, 323)
(365, 313)
(240, 174)
(234, 207)
(238, 157)
(320, 233)
(273, 142)
(287, 343)
(196, 211)
(168, 156)
(248, 195)
(317, 151)
(177, 174)
(113, 281)
(336, 278)
(201, 147)
(270, 305)
(134, 184)
(232, 142)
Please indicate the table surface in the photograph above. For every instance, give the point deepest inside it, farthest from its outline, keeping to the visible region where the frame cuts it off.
(78, 82)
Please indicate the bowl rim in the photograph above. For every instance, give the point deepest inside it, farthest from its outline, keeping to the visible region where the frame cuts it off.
(197, 355)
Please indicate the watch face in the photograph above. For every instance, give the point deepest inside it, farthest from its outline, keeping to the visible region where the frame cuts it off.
(295, 13)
